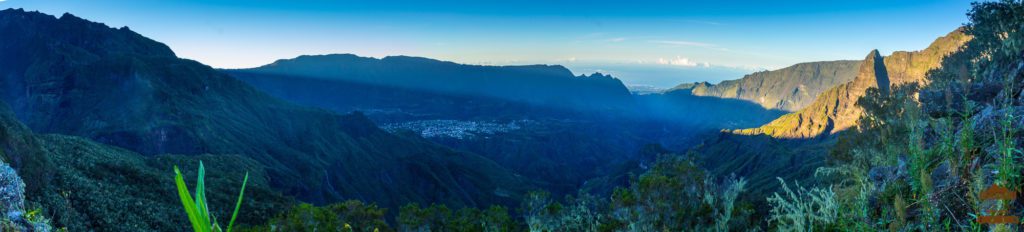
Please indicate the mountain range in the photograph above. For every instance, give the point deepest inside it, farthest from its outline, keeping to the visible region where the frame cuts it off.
(70, 76)
(550, 85)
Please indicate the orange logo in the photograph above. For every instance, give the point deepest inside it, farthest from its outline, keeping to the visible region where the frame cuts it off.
(996, 193)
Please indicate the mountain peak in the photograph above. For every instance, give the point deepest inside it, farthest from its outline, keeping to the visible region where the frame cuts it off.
(874, 54)
(874, 67)
(71, 31)
(595, 75)
(69, 16)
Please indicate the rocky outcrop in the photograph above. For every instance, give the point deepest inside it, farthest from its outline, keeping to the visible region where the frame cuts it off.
(836, 110)
(12, 204)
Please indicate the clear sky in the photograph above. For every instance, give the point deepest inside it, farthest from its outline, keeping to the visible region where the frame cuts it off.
(660, 43)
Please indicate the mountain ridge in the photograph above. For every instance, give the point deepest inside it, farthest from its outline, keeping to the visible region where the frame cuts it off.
(835, 109)
(790, 88)
(550, 85)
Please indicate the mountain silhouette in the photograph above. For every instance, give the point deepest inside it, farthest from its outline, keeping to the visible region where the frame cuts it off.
(549, 85)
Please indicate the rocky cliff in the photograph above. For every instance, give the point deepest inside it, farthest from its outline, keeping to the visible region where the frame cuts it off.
(835, 109)
(789, 89)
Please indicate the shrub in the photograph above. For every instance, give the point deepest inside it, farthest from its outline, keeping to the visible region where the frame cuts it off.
(804, 209)
(351, 215)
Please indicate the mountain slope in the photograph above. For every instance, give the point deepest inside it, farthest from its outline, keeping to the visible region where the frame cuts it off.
(70, 76)
(538, 84)
(83, 185)
(386, 103)
(564, 147)
(561, 145)
(683, 104)
(835, 110)
(794, 145)
(790, 89)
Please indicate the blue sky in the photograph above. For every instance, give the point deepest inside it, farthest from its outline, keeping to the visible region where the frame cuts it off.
(660, 43)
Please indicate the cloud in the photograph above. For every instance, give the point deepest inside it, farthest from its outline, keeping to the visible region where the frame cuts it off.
(616, 40)
(682, 43)
(681, 61)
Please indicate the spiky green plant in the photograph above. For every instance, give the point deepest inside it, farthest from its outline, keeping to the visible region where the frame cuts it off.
(197, 208)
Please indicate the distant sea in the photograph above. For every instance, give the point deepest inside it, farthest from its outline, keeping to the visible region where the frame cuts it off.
(646, 77)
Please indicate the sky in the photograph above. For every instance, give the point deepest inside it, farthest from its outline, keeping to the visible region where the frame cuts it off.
(653, 43)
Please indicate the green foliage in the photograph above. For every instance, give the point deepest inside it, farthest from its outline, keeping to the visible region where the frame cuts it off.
(583, 212)
(998, 37)
(725, 202)
(803, 210)
(350, 215)
(412, 217)
(676, 195)
(197, 209)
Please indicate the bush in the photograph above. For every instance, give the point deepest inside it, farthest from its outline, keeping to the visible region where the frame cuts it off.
(804, 209)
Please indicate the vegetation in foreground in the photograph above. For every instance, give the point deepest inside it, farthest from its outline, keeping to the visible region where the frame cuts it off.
(197, 207)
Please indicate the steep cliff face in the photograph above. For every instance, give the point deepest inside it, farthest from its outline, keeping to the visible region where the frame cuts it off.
(685, 103)
(836, 110)
(789, 89)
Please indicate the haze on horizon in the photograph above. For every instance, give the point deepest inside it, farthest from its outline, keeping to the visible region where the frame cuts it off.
(656, 43)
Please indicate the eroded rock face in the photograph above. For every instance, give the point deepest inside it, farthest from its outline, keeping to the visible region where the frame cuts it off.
(835, 110)
(790, 89)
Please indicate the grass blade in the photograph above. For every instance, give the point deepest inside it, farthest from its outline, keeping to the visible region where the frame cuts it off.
(239, 203)
(186, 201)
(201, 208)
